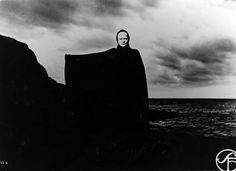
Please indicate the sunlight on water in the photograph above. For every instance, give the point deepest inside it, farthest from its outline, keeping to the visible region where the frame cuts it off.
(207, 117)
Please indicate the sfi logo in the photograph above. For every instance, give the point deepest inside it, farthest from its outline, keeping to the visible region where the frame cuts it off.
(226, 160)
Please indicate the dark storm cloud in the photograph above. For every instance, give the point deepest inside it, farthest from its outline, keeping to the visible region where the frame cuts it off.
(202, 64)
(58, 13)
(47, 13)
(164, 78)
(208, 52)
(170, 61)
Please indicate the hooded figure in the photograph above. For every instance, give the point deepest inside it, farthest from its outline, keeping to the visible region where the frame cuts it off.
(108, 93)
(132, 77)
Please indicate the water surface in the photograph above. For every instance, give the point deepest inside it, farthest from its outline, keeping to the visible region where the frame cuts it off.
(208, 117)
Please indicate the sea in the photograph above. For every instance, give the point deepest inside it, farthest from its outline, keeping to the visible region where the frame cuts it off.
(205, 117)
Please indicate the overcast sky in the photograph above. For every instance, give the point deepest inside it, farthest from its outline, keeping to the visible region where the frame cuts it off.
(188, 46)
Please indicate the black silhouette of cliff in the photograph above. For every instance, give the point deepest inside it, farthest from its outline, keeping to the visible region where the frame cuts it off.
(31, 103)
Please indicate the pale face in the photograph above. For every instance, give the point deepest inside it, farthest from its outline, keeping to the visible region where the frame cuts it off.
(123, 39)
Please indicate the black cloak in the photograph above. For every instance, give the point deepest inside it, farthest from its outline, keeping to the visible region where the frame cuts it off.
(107, 90)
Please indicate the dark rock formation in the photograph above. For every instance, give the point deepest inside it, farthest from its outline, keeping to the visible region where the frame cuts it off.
(31, 103)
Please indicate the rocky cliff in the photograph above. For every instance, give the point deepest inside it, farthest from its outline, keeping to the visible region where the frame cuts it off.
(31, 103)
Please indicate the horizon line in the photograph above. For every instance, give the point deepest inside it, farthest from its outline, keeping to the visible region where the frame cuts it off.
(216, 98)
